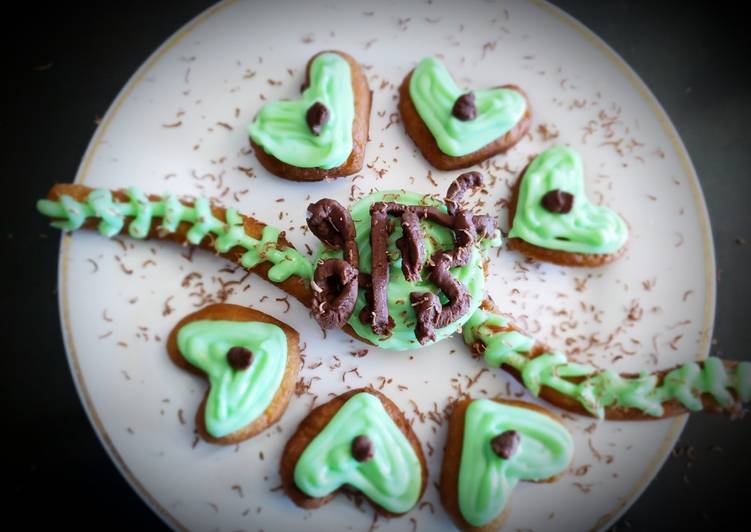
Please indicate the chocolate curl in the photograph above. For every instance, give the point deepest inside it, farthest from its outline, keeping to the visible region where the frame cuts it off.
(422, 211)
(379, 234)
(459, 187)
(334, 293)
(455, 291)
(333, 225)
(427, 310)
(335, 281)
(411, 246)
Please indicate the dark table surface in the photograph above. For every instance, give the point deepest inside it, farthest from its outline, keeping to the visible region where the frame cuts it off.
(68, 63)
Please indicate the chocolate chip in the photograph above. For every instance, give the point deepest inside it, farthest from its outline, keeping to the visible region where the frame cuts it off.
(558, 201)
(317, 116)
(239, 358)
(464, 107)
(506, 444)
(362, 448)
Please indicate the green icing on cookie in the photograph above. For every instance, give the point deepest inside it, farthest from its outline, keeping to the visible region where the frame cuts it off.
(70, 215)
(433, 93)
(486, 480)
(391, 478)
(436, 238)
(282, 130)
(236, 397)
(597, 389)
(586, 228)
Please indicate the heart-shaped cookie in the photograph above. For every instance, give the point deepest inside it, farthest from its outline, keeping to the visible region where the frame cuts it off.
(552, 219)
(361, 440)
(455, 128)
(492, 445)
(322, 134)
(251, 361)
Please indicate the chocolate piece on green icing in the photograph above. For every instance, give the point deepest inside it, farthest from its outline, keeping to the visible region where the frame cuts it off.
(585, 228)
(239, 357)
(282, 130)
(485, 482)
(317, 117)
(464, 107)
(235, 398)
(597, 390)
(558, 201)
(362, 448)
(379, 234)
(506, 444)
(335, 281)
(411, 246)
(334, 293)
(391, 478)
(434, 95)
(141, 213)
(427, 308)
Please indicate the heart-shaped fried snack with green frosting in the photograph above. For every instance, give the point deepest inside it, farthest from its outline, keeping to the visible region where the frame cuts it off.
(360, 440)
(492, 445)
(552, 219)
(455, 128)
(324, 132)
(251, 361)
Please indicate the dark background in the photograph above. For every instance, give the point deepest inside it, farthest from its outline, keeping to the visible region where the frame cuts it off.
(67, 64)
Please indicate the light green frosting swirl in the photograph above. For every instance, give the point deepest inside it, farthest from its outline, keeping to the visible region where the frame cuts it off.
(587, 228)
(392, 478)
(486, 480)
(436, 238)
(71, 214)
(602, 389)
(236, 397)
(433, 93)
(282, 130)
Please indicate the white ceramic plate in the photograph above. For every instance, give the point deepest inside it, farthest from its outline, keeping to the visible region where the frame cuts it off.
(211, 78)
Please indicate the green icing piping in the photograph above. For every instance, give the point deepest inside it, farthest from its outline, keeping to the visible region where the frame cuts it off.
(71, 214)
(601, 389)
(587, 228)
(433, 93)
(437, 238)
(486, 480)
(282, 130)
(392, 478)
(236, 397)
